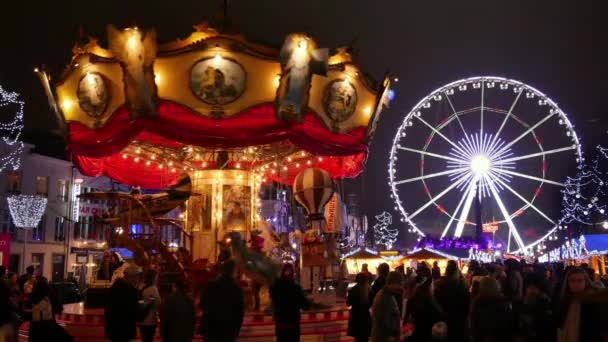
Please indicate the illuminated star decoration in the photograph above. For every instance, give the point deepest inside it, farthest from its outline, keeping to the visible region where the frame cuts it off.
(10, 130)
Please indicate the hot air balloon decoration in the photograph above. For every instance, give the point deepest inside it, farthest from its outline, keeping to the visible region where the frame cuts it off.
(313, 188)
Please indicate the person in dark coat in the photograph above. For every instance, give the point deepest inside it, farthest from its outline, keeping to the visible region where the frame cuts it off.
(422, 310)
(453, 297)
(577, 318)
(121, 310)
(386, 319)
(223, 306)
(436, 271)
(178, 315)
(359, 321)
(288, 300)
(383, 270)
(491, 319)
(534, 316)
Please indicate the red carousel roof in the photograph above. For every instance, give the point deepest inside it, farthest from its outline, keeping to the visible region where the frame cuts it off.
(141, 113)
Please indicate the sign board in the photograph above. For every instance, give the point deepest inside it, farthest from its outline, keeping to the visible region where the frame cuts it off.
(330, 214)
(389, 253)
(313, 254)
(5, 249)
(75, 201)
(490, 227)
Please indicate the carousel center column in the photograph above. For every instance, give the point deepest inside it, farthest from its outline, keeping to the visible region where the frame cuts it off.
(222, 201)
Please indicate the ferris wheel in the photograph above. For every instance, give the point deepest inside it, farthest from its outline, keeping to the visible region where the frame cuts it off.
(496, 139)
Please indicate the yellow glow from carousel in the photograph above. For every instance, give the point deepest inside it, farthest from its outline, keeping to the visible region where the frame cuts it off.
(132, 43)
(217, 60)
(480, 165)
(276, 81)
(367, 110)
(67, 104)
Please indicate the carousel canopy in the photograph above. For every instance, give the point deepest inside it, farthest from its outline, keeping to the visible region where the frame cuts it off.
(141, 112)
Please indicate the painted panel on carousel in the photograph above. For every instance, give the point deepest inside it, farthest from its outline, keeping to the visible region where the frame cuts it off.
(93, 94)
(217, 80)
(340, 100)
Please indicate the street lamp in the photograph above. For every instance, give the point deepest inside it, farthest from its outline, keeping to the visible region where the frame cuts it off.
(26, 211)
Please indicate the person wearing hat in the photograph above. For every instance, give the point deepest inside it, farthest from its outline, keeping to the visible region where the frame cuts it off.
(386, 318)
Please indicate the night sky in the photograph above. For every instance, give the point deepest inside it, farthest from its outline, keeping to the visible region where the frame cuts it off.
(559, 47)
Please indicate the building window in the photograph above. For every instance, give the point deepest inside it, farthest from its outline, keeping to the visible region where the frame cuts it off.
(6, 223)
(59, 228)
(42, 185)
(62, 190)
(38, 232)
(14, 182)
(38, 263)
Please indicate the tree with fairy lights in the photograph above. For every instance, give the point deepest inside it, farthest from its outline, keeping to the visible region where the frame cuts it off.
(585, 196)
(11, 126)
(384, 234)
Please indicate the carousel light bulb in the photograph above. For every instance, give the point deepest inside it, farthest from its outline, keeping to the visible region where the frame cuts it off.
(238, 165)
(303, 154)
(170, 163)
(217, 60)
(136, 159)
(308, 162)
(297, 165)
(204, 164)
(320, 159)
(160, 166)
(147, 163)
(173, 170)
(198, 157)
(605, 225)
(124, 156)
(284, 168)
(289, 159)
(153, 157)
(67, 104)
(138, 151)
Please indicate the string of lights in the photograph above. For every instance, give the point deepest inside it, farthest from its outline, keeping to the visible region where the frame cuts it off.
(383, 233)
(26, 210)
(11, 130)
(585, 195)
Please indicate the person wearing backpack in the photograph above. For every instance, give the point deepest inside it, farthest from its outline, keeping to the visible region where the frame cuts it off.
(149, 304)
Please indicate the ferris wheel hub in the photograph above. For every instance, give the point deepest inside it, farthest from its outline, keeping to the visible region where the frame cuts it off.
(480, 165)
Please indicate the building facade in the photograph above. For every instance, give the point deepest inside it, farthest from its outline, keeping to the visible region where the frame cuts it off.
(46, 246)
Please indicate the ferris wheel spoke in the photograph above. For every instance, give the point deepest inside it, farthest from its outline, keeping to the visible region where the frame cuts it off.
(538, 154)
(512, 229)
(524, 200)
(432, 175)
(453, 216)
(467, 207)
(528, 131)
(436, 155)
(504, 121)
(481, 110)
(441, 134)
(447, 97)
(542, 180)
(438, 196)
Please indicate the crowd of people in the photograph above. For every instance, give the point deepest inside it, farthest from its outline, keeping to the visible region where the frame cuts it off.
(28, 297)
(514, 301)
(496, 302)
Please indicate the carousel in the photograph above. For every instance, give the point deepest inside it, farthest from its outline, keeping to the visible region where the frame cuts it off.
(218, 115)
(213, 118)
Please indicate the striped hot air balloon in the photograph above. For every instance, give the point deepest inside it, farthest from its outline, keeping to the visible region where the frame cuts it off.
(313, 188)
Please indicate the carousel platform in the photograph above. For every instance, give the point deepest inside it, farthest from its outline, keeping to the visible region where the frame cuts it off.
(321, 325)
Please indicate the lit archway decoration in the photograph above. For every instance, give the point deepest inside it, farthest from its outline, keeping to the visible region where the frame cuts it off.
(486, 136)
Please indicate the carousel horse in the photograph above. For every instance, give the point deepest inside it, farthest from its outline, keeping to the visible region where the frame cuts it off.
(256, 265)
